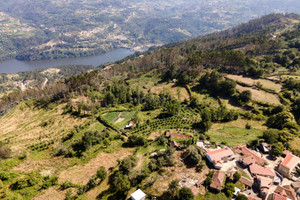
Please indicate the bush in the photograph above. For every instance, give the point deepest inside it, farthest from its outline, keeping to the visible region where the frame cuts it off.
(229, 189)
(248, 126)
(186, 194)
(101, 173)
(236, 177)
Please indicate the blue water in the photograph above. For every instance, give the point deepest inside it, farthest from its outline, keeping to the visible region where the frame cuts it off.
(14, 66)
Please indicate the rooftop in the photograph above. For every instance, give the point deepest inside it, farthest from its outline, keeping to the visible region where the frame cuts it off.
(246, 181)
(139, 194)
(286, 191)
(218, 179)
(265, 182)
(290, 161)
(218, 155)
(278, 197)
(248, 152)
(258, 170)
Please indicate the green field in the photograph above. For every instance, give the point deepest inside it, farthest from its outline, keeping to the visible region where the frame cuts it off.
(120, 119)
(234, 135)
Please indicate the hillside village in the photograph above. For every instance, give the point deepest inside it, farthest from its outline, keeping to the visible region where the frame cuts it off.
(213, 118)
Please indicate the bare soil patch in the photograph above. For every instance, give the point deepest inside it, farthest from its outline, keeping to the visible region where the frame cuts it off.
(52, 193)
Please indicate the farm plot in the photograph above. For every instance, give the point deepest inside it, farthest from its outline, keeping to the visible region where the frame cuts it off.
(265, 83)
(120, 119)
(176, 91)
(233, 136)
(260, 96)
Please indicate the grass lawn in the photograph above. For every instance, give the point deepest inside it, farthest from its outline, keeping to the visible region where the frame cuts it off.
(233, 136)
(212, 196)
(120, 119)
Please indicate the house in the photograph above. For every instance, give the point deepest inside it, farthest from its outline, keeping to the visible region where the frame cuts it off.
(200, 182)
(286, 191)
(264, 184)
(276, 196)
(262, 171)
(285, 153)
(138, 195)
(249, 156)
(129, 125)
(247, 182)
(217, 157)
(296, 185)
(218, 180)
(194, 190)
(288, 164)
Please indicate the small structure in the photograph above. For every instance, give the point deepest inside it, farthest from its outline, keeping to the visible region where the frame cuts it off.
(286, 191)
(247, 182)
(250, 197)
(129, 125)
(174, 144)
(262, 171)
(218, 157)
(288, 164)
(218, 180)
(236, 191)
(138, 195)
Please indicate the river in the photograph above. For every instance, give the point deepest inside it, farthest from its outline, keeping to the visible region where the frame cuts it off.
(14, 66)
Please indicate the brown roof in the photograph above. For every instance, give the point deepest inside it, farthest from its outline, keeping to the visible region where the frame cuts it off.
(265, 182)
(246, 181)
(286, 192)
(218, 179)
(259, 170)
(253, 198)
(248, 159)
(296, 185)
(290, 161)
(278, 197)
(286, 152)
(248, 152)
(195, 190)
(179, 136)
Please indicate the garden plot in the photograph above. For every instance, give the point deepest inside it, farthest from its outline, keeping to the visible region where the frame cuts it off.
(265, 83)
(260, 96)
(120, 119)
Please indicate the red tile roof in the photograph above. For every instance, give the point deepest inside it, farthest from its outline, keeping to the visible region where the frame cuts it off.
(253, 198)
(290, 161)
(286, 192)
(246, 181)
(218, 179)
(265, 182)
(220, 154)
(179, 136)
(278, 197)
(248, 152)
(264, 171)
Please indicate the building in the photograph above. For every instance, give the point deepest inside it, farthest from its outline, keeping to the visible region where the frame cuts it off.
(247, 182)
(249, 156)
(217, 157)
(264, 147)
(253, 198)
(286, 192)
(288, 164)
(129, 125)
(264, 184)
(218, 180)
(138, 195)
(262, 171)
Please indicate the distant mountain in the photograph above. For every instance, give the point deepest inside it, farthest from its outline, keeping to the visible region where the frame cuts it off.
(49, 29)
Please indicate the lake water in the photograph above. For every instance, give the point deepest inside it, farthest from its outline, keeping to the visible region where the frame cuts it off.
(14, 66)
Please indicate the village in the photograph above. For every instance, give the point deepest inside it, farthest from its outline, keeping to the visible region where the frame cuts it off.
(263, 176)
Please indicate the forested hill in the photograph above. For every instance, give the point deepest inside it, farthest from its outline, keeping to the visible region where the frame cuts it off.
(49, 29)
(135, 123)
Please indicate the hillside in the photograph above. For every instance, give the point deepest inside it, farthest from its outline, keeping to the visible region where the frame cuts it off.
(35, 30)
(149, 121)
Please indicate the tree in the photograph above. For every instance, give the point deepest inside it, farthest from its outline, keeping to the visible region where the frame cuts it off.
(271, 136)
(192, 156)
(101, 173)
(229, 189)
(245, 96)
(121, 182)
(236, 177)
(241, 197)
(277, 149)
(186, 194)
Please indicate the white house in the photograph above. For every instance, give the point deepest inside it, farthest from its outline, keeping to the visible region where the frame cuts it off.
(138, 195)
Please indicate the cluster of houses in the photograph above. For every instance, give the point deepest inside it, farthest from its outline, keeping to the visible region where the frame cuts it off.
(265, 180)
(268, 182)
